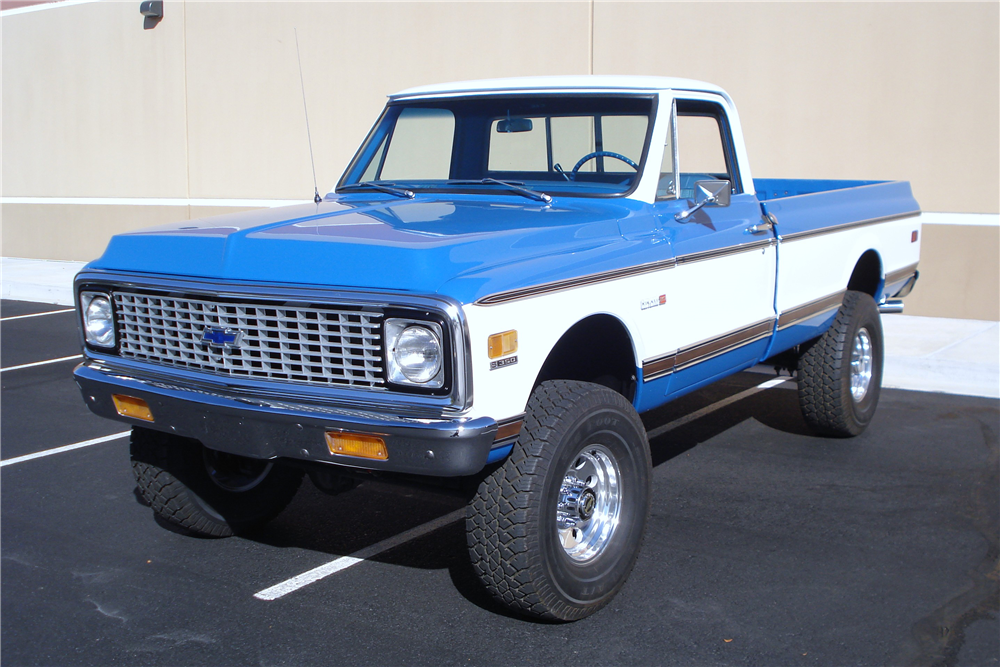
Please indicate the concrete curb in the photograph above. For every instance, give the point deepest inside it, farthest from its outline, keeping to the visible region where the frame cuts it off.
(38, 280)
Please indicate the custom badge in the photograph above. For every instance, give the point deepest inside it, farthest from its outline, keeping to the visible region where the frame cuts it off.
(646, 304)
(219, 337)
(503, 363)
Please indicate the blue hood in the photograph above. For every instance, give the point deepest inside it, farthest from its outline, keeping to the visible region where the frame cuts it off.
(464, 246)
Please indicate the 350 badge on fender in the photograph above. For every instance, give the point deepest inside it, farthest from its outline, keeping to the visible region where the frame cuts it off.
(503, 363)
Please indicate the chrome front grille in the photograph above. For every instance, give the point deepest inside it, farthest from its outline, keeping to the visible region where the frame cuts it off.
(325, 346)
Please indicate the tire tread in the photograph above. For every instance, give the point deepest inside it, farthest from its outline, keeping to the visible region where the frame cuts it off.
(506, 554)
(824, 397)
(157, 459)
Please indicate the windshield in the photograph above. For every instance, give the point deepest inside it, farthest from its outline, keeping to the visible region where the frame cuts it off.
(578, 145)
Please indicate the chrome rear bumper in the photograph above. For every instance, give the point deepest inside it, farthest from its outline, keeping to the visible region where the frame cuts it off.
(890, 306)
(895, 290)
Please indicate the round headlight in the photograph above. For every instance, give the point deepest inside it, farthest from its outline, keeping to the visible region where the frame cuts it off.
(99, 322)
(417, 354)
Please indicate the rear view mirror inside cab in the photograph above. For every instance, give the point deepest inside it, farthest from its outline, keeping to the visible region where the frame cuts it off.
(514, 125)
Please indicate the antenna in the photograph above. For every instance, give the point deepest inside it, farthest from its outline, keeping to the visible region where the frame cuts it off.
(316, 197)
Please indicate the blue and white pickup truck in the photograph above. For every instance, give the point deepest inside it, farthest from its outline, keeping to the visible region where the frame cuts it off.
(506, 275)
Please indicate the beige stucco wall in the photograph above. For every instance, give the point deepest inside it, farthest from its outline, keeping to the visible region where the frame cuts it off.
(958, 273)
(81, 232)
(207, 104)
(247, 132)
(93, 105)
(879, 90)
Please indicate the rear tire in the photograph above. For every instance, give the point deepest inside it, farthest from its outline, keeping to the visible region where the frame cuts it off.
(840, 374)
(205, 491)
(555, 530)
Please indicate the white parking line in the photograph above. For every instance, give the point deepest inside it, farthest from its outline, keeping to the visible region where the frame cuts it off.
(59, 450)
(344, 562)
(50, 312)
(40, 363)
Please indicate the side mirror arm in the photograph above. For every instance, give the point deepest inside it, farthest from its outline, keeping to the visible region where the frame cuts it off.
(684, 215)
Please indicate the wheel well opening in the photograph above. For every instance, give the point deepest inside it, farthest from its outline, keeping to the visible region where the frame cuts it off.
(867, 274)
(597, 349)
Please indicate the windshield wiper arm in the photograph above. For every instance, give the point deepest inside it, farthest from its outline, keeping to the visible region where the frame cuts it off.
(399, 192)
(515, 186)
(537, 196)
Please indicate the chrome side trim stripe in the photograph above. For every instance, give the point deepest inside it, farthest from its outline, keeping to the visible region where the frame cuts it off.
(617, 274)
(705, 350)
(656, 368)
(725, 252)
(900, 274)
(722, 344)
(798, 236)
(508, 429)
(569, 283)
(804, 312)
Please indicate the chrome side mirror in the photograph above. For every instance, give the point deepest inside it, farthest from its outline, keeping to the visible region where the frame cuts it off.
(712, 192)
(716, 193)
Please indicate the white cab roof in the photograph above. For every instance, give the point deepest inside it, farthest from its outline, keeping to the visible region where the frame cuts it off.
(560, 83)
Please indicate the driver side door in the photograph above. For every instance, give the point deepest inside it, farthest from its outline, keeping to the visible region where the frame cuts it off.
(721, 312)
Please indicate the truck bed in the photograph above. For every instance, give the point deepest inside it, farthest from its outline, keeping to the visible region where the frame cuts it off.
(805, 206)
(779, 188)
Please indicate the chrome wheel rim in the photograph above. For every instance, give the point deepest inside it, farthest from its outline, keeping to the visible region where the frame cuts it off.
(861, 365)
(235, 473)
(589, 505)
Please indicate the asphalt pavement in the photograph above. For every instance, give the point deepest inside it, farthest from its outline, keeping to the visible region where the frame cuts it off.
(765, 546)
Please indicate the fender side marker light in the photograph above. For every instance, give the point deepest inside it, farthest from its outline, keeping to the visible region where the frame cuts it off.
(502, 344)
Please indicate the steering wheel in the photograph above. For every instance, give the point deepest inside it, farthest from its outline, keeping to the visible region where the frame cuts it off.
(591, 156)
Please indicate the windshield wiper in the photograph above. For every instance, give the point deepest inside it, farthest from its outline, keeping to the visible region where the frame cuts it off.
(515, 186)
(399, 192)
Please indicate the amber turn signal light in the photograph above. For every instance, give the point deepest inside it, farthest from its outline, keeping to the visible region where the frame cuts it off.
(130, 406)
(502, 344)
(356, 444)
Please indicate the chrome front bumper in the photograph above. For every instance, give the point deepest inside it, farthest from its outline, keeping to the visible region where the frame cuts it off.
(265, 429)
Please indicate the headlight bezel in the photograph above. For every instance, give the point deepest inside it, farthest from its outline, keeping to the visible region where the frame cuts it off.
(394, 325)
(85, 300)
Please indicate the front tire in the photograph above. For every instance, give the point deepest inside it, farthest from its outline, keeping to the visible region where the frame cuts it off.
(840, 375)
(207, 492)
(555, 530)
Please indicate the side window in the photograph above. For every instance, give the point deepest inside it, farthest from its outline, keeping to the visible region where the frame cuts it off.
(420, 146)
(665, 187)
(701, 147)
(699, 141)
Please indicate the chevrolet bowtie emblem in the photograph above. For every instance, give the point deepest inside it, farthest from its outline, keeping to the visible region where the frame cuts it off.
(218, 337)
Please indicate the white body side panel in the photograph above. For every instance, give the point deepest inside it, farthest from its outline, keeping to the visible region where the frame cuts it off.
(710, 298)
(703, 300)
(821, 265)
